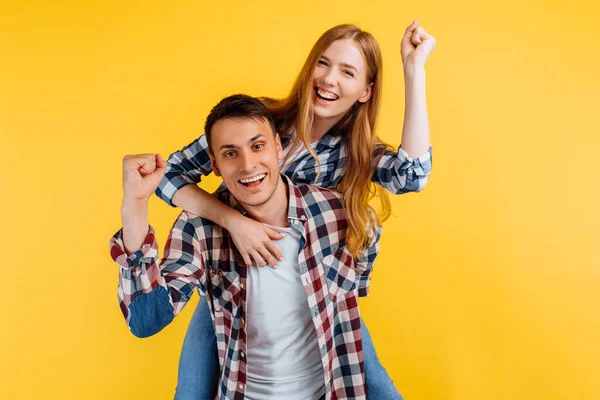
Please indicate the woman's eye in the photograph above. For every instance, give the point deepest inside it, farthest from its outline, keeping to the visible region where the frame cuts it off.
(322, 62)
(350, 73)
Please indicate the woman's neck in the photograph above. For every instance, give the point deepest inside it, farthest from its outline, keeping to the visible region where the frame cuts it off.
(321, 126)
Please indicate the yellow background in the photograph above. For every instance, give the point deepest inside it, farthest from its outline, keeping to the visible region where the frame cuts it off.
(488, 282)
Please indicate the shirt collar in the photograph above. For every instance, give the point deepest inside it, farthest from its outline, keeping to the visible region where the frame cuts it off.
(329, 140)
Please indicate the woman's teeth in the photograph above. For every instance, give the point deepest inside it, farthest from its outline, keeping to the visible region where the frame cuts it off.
(326, 95)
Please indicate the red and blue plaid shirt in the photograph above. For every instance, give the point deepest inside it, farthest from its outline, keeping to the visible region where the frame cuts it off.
(201, 255)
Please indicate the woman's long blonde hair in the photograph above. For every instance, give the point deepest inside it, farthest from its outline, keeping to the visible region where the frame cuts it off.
(357, 128)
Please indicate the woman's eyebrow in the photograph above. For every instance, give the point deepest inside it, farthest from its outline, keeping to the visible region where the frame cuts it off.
(349, 66)
(345, 65)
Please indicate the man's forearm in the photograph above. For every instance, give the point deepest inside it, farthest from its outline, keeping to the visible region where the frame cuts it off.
(134, 214)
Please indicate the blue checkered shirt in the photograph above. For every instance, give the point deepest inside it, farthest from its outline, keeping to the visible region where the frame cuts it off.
(395, 171)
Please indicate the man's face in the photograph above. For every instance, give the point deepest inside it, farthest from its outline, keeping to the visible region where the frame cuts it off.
(246, 155)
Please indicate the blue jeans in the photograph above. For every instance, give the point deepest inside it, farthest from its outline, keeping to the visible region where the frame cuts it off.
(198, 374)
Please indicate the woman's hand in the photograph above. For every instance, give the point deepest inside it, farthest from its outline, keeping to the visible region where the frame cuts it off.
(417, 45)
(254, 241)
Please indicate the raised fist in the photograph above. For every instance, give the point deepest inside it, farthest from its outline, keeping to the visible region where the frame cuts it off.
(141, 175)
(417, 45)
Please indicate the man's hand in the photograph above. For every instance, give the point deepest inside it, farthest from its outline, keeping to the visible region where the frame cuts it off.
(142, 174)
(417, 45)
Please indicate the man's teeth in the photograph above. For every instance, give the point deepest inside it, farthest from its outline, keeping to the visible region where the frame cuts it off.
(256, 178)
(327, 95)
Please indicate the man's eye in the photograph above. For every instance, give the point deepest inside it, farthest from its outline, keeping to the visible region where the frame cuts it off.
(259, 146)
(229, 154)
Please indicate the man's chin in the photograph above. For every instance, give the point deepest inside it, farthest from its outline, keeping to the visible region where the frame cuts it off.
(253, 197)
(252, 201)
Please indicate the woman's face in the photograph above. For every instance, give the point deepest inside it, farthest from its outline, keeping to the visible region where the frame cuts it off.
(339, 80)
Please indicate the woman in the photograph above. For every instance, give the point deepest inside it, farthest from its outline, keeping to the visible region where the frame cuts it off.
(327, 125)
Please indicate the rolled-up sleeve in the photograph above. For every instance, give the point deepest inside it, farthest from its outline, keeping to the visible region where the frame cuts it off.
(399, 173)
(152, 294)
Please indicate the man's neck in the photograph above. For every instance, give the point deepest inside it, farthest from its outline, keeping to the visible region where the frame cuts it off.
(321, 126)
(275, 211)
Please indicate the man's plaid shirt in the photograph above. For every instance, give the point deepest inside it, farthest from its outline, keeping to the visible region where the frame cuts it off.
(395, 171)
(200, 254)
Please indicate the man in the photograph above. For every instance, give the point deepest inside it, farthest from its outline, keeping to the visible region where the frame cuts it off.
(287, 333)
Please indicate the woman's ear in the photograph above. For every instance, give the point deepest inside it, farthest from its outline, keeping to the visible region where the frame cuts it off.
(367, 94)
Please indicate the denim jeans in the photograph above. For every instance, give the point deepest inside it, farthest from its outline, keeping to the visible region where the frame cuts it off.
(198, 373)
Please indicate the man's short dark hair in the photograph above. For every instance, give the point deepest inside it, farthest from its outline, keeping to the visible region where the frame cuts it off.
(238, 106)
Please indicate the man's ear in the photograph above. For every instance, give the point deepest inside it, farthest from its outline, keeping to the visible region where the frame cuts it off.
(367, 94)
(278, 147)
(214, 165)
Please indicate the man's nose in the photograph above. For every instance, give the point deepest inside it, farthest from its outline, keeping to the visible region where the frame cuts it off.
(248, 162)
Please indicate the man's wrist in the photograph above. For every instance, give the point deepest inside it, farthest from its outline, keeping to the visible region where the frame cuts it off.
(134, 215)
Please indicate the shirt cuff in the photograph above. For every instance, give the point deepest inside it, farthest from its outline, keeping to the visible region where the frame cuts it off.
(403, 156)
(147, 253)
(171, 184)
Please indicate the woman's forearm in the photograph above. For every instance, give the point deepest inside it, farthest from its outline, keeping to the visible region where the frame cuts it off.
(415, 132)
(199, 202)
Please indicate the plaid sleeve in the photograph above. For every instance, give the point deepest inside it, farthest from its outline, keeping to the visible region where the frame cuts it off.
(185, 167)
(364, 264)
(151, 295)
(399, 173)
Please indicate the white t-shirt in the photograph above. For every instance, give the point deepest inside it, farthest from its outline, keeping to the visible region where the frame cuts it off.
(283, 360)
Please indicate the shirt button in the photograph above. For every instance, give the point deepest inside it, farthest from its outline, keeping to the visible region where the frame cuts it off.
(303, 217)
(242, 354)
(241, 386)
(242, 321)
(242, 285)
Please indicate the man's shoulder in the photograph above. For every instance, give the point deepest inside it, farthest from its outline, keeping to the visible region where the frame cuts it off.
(194, 225)
(320, 198)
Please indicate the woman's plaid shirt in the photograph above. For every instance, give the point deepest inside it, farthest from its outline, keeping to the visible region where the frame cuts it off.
(395, 171)
(201, 255)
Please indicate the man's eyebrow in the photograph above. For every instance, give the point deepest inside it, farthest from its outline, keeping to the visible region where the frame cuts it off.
(228, 146)
(233, 146)
(345, 65)
(252, 139)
